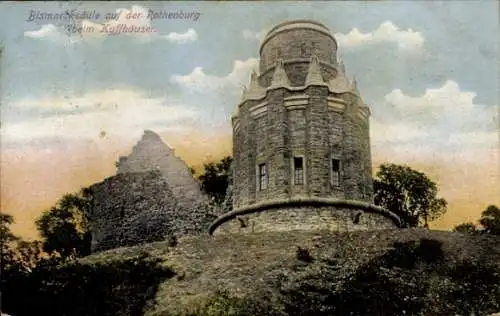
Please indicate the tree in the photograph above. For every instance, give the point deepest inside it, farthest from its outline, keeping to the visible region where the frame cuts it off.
(408, 193)
(6, 236)
(215, 179)
(489, 223)
(7, 240)
(490, 220)
(192, 171)
(64, 228)
(466, 228)
(16, 255)
(28, 254)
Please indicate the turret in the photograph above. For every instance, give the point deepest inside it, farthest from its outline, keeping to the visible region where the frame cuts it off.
(340, 83)
(280, 78)
(254, 91)
(354, 85)
(314, 76)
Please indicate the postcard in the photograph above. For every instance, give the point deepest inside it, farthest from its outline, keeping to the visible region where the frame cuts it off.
(124, 124)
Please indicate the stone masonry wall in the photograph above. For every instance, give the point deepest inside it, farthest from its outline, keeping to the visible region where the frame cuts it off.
(297, 144)
(297, 43)
(317, 132)
(151, 153)
(277, 145)
(318, 148)
(356, 157)
(366, 148)
(297, 72)
(305, 218)
(133, 208)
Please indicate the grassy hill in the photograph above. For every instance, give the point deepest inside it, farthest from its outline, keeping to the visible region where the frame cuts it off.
(391, 272)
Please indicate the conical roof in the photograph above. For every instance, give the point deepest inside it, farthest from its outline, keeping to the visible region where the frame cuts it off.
(314, 76)
(280, 78)
(340, 83)
(254, 90)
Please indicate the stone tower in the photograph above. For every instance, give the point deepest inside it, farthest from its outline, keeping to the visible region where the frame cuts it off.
(301, 145)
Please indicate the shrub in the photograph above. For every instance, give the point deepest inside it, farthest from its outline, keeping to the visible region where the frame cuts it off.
(119, 287)
(222, 303)
(304, 255)
(429, 250)
(408, 254)
(172, 241)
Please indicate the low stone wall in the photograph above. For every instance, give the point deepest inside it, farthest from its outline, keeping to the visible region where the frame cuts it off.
(312, 214)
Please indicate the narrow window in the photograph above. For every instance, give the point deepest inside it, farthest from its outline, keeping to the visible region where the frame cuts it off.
(298, 167)
(363, 184)
(336, 172)
(303, 51)
(262, 177)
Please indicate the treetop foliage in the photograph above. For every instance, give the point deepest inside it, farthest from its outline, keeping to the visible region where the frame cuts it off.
(408, 193)
(490, 220)
(215, 179)
(64, 227)
(6, 236)
(489, 223)
(467, 228)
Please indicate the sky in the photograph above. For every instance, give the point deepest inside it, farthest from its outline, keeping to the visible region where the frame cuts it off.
(76, 92)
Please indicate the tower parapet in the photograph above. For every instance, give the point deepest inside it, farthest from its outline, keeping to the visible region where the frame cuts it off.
(295, 42)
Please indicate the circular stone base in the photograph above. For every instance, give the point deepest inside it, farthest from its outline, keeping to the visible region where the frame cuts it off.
(305, 214)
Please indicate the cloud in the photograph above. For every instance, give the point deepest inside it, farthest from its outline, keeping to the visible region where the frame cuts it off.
(139, 28)
(52, 33)
(387, 32)
(124, 113)
(443, 124)
(199, 81)
(395, 132)
(251, 35)
(48, 30)
(446, 107)
(181, 38)
(476, 138)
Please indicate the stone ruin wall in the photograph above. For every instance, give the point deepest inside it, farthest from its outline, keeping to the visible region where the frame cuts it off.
(151, 153)
(153, 195)
(134, 208)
